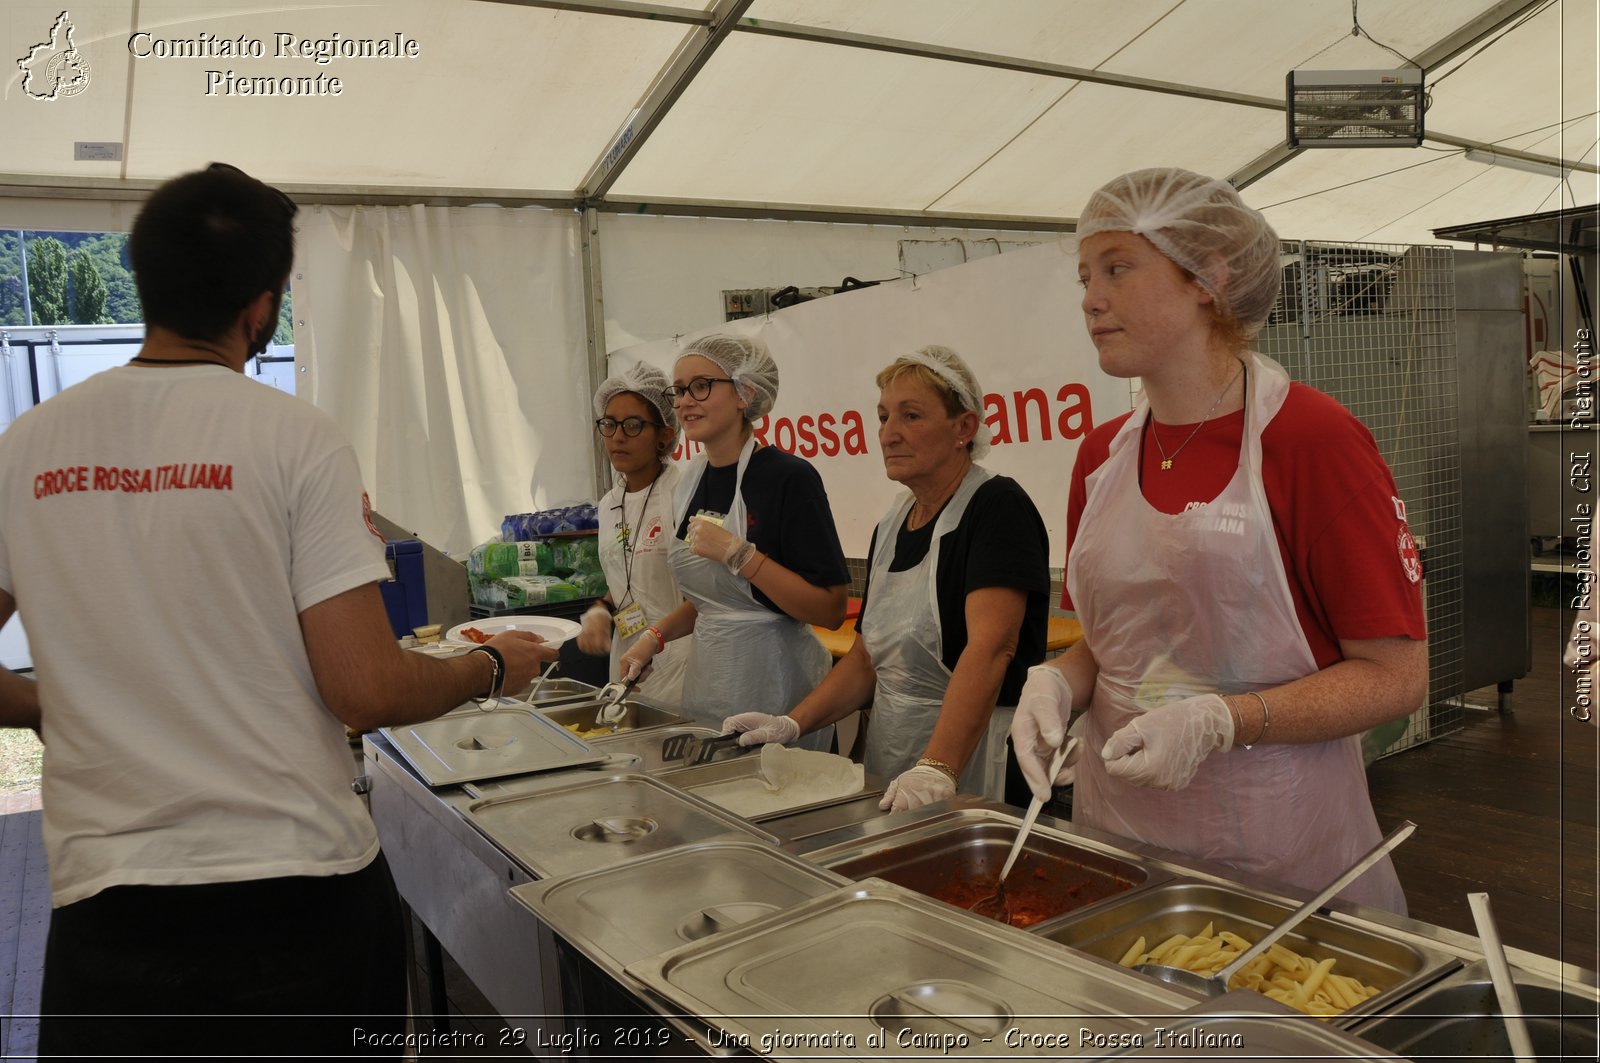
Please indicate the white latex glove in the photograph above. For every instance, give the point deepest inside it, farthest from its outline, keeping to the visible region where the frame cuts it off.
(1040, 726)
(595, 636)
(760, 728)
(712, 541)
(1163, 748)
(916, 787)
(636, 662)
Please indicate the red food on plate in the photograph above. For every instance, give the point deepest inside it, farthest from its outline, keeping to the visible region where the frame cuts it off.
(474, 634)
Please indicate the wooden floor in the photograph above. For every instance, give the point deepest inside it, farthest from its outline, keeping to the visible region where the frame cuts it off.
(1505, 805)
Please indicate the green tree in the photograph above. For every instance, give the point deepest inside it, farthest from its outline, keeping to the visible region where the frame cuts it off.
(109, 252)
(86, 289)
(47, 280)
(284, 333)
(12, 311)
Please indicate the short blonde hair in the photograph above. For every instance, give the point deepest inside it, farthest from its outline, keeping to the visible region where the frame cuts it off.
(902, 368)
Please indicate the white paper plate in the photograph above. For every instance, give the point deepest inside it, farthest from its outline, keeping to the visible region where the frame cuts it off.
(555, 629)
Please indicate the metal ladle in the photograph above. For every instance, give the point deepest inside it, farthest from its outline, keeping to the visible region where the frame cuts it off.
(1217, 984)
(994, 906)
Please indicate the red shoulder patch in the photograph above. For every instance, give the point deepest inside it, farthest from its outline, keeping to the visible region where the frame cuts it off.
(1410, 557)
(366, 515)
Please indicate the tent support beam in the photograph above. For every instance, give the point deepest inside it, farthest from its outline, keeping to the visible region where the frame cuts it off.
(114, 189)
(594, 331)
(696, 208)
(1003, 62)
(625, 8)
(691, 57)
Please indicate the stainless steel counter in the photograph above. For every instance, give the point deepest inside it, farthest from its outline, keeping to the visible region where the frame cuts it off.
(530, 895)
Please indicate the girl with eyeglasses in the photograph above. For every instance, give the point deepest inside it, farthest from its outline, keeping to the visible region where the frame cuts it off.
(637, 425)
(754, 548)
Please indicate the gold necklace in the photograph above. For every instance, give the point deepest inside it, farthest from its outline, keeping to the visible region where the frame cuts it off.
(1167, 459)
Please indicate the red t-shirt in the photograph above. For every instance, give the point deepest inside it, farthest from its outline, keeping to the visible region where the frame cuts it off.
(1349, 557)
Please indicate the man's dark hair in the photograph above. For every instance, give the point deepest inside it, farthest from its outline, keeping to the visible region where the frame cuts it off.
(205, 245)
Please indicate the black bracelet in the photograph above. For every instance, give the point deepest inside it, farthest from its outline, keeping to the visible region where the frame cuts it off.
(497, 681)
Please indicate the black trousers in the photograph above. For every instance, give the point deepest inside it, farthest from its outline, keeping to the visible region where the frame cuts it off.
(298, 967)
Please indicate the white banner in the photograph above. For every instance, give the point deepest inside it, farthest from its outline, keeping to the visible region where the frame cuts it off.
(1016, 320)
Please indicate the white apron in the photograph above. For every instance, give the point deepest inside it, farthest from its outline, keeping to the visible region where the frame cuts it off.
(1174, 605)
(647, 580)
(905, 642)
(746, 658)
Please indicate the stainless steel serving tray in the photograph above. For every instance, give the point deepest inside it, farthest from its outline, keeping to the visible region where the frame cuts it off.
(956, 857)
(582, 821)
(561, 691)
(721, 781)
(468, 746)
(873, 971)
(1246, 1025)
(1459, 1017)
(1393, 966)
(636, 716)
(645, 746)
(628, 912)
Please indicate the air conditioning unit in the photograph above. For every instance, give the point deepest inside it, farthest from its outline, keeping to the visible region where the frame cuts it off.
(1355, 108)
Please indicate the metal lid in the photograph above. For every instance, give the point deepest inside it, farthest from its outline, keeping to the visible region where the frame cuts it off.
(627, 912)
(464, 747)
(873, 971)
(577, 824)
(736, 783)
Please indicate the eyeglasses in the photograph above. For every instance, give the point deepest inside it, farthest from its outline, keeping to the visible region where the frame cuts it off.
(288, 204)
(631, 426)
(699, 387)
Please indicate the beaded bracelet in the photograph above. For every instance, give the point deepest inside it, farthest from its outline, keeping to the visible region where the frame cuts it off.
(497, 680)
(929, 762)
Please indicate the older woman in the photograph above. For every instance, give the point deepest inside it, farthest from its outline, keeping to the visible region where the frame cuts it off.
(956, 603)
(755, 553)
(1239, 560)
(638, 424)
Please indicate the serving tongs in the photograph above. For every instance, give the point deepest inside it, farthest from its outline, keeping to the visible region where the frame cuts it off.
(692, 749)
(994, 905)
(1214, 985)
(611, 698)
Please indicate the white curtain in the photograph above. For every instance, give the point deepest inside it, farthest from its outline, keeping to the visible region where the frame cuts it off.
(448, 343)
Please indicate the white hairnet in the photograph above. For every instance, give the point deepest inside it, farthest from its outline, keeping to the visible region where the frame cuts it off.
(1202, 225)
(645, 381)
(748, 364)
(951, 368)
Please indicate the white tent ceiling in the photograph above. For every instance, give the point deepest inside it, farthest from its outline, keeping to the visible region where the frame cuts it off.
(1002, 112)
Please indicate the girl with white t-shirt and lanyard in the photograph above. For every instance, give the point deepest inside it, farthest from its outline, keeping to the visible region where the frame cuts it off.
(637, 422)
(1238, 558)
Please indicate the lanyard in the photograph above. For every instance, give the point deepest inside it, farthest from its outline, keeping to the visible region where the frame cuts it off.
(626, 536)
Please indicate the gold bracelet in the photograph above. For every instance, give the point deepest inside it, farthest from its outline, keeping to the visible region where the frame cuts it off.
(929, 762)
(1266, 719)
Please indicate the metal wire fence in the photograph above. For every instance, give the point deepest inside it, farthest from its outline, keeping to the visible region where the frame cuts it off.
(1373, 325)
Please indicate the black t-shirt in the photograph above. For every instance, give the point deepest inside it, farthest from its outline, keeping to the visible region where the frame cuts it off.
(786, 512)
(1000, 541)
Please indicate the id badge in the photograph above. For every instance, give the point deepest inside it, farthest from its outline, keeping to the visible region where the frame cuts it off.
(630, 620)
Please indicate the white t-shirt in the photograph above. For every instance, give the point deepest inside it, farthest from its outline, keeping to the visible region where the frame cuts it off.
(647, 578)
(161, 529)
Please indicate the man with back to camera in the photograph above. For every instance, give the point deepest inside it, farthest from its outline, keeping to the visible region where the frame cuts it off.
(192, 553)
